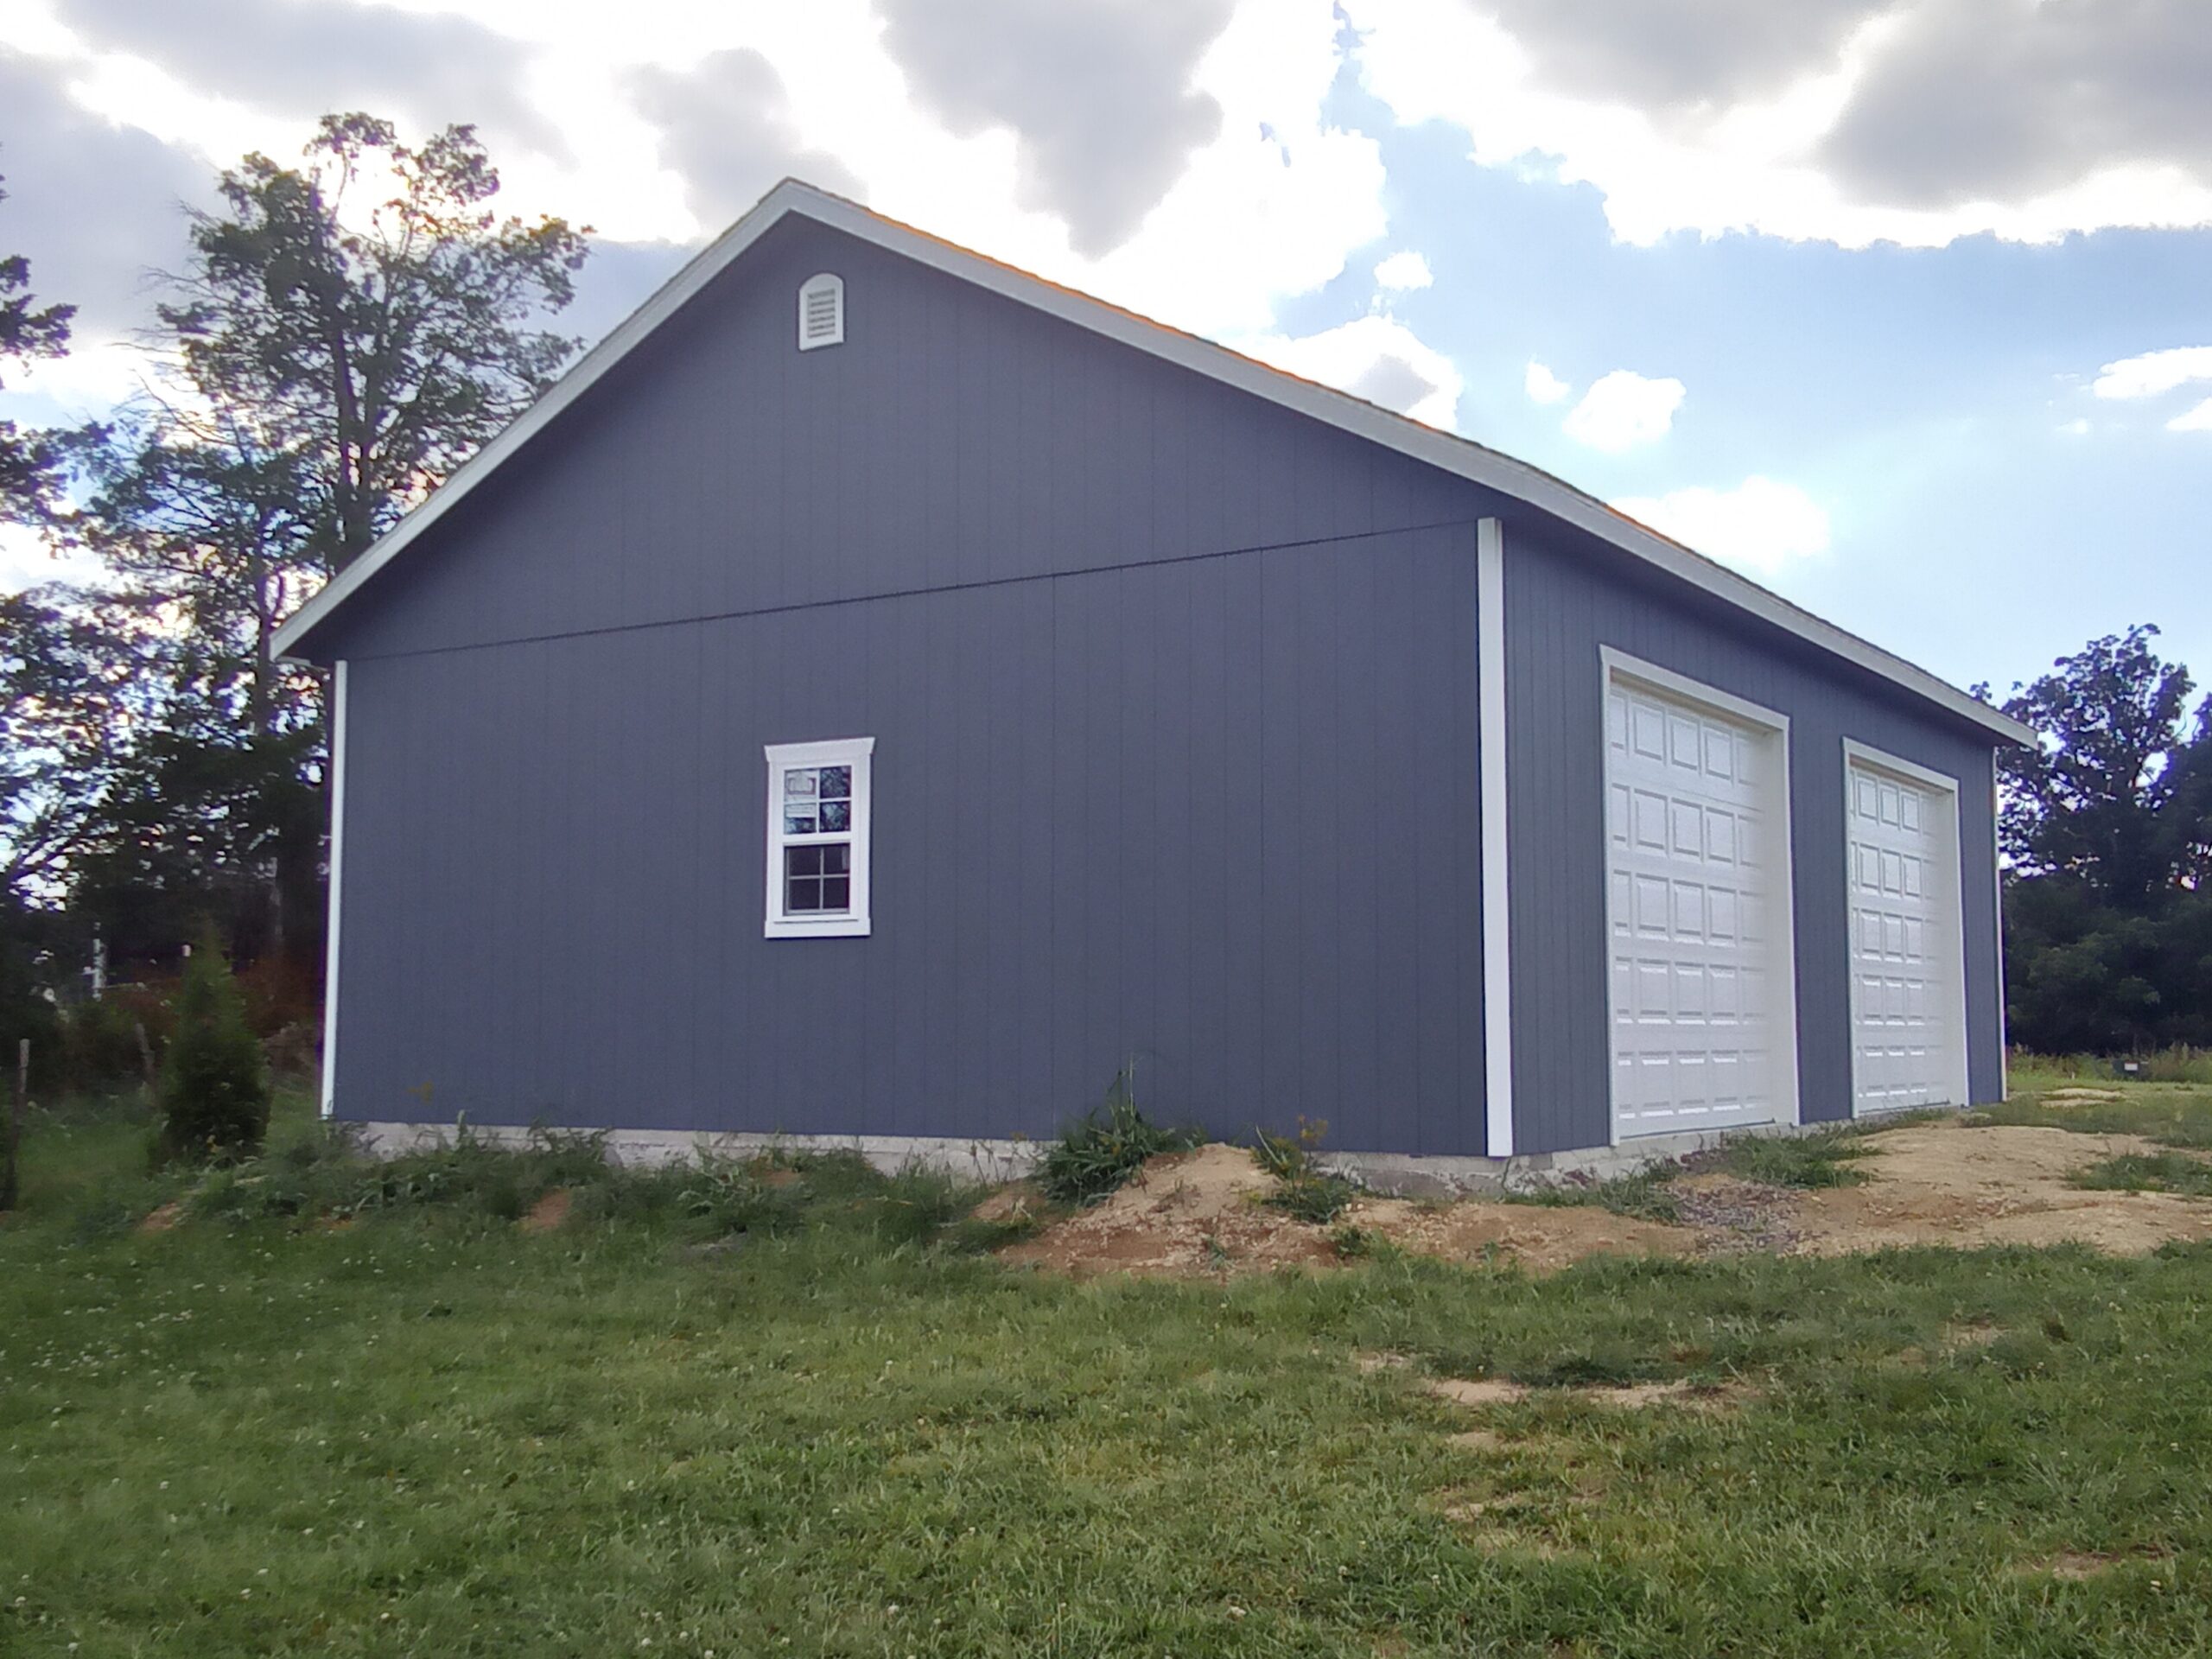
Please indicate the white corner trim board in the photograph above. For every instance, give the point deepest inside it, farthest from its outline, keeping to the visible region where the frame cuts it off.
(1997, 924)
(1496, 868)
(337, 886)
(1699, 905)
(1453, 455)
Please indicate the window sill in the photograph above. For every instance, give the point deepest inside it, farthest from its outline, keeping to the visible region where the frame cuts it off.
(842, 927)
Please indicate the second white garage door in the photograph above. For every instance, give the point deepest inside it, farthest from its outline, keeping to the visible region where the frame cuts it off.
(1908, 969)
(1701, 986)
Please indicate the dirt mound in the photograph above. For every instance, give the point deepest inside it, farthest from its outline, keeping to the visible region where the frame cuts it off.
(1183, 1214)
(1540, 1238)
(1948, 1184)
(549, 1213)
(1944, 1184)
(1202, 1212)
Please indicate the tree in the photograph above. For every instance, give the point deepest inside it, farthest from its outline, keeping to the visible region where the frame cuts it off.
(374, 349)
(214, 1088)
(72, 693)
(2088, 801)
(2107, 829)
(29, 466)
(344, 334)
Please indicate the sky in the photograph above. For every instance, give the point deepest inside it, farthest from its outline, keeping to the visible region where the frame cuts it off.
(1904, 308)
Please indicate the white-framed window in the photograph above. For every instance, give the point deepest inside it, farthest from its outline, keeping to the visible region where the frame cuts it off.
(818, 810)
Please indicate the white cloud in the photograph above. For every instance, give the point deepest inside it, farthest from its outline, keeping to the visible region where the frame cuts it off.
(1376, 357)
(25, 563)
(2154, 372)
(1761, 525)
(1543, 385)
(1404, 269)
(1622, 409)
(1777, 147)
(2076, 428)
(1271, 207)
(2194, 420)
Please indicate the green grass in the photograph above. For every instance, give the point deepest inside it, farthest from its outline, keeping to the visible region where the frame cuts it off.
(1099, 1151)
(1646, 1194)
(2179, 1064)
(2172, 1114)
(2157, 1172)
(1820, 1158)
(431, 1432)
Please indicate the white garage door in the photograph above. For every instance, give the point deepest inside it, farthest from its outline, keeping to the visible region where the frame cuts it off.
(1908, 1019)
(1698, 915)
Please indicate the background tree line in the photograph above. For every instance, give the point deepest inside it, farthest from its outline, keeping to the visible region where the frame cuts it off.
(339, 336)
(343, 333)
(2107, 830)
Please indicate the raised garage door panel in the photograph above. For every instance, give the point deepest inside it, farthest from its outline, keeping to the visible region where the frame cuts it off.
(1696, 877)
(1907, 960)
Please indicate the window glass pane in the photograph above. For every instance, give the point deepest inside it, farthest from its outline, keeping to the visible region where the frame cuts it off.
(837, 783)
(799, 780)
(838, 893)
(805, 892)
(803, 861)
(835, 814)
(836, 858)
(799, 819)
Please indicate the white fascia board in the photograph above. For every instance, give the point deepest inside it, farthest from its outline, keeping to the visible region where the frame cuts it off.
(1458, 455)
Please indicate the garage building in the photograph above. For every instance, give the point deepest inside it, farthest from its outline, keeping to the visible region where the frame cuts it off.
(881, 695)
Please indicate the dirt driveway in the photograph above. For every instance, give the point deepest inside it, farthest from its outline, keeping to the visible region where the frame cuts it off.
(1202, 1212)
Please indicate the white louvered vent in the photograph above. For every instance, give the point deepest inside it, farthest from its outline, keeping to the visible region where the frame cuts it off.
(820, 311)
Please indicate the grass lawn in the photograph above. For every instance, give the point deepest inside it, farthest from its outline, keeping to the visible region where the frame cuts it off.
(432, 1431)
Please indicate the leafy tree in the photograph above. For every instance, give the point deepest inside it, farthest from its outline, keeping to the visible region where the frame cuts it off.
(2087, 802)
(2107, 828)
(373, 346)
(214, 1087)
(29, 466)
(344, 334)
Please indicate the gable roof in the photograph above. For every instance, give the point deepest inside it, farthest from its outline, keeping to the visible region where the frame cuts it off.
(1455, 454)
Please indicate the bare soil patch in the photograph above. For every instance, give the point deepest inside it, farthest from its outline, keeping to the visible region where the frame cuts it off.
(162, 1219)
(1475, 1391)
(549, 1213)
(2074, 1564)
(1201, 1213)
(1947, 1184)
(1541, 1239)
(1018, 1201)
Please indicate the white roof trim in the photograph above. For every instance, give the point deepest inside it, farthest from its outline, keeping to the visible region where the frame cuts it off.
(1454, 455)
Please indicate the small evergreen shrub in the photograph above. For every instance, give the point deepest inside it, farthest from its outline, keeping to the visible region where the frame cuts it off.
(1107, 1145)
(214, 1084)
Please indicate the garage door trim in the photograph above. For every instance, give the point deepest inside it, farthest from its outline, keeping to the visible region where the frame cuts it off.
(1616, 665)
(1857, 755)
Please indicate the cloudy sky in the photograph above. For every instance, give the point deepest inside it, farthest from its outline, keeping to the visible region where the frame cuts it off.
(1904, 306)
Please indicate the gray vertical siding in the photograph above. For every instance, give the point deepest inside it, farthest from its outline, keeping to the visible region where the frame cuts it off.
(957, 438)
(1563, 600)
(1213, 816)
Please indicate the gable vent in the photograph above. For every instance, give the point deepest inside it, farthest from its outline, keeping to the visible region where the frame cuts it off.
(820, 311)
